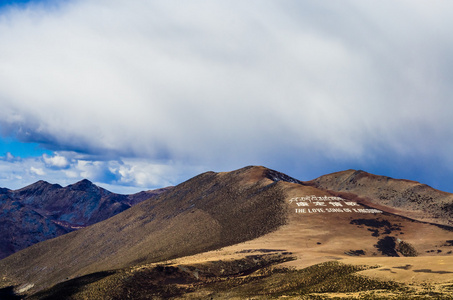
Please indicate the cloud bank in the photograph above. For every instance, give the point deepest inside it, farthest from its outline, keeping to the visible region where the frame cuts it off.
(122, 176)
(220, 85)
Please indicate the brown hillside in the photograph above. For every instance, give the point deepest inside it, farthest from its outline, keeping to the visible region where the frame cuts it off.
(207, 212)
(404, 197)
(216, 236)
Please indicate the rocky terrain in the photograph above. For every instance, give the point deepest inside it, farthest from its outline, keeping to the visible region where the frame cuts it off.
(250, 233)
(42, 211)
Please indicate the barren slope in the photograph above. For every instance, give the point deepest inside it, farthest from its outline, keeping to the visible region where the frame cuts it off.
(405, 197)
(207, 212)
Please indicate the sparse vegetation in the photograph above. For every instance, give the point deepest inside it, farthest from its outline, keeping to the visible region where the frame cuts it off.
(392, 246)
(355, 252)
(249, 277)
(387, 246)
(406, 249)
(377, 226)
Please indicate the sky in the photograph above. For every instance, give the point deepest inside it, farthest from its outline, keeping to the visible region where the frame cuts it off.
(136, 95)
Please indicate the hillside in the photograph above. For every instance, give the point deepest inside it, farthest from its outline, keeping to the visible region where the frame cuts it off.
(42, 211)
(401, 196)
(253, 232)
(207, 212)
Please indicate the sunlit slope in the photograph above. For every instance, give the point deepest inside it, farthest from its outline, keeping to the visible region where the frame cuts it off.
(405, 197)
(322, 227)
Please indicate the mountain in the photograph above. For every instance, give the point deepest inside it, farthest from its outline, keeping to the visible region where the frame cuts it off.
(401, 196)
(42, 211)
(249, 233)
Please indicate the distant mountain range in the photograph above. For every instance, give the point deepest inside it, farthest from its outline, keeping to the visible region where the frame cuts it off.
(253, 232)
(42, 211)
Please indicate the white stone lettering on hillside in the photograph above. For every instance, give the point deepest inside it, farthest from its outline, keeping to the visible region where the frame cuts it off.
(328, 204)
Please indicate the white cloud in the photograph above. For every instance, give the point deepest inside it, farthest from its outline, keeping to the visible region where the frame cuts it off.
(226, 83)
(37, 171)
(140, 172)
(57, 161)
(129, 176)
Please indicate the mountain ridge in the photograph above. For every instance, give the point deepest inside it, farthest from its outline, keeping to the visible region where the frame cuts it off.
(251, 214)
(42, 210)
(210, 214)
(411, 198)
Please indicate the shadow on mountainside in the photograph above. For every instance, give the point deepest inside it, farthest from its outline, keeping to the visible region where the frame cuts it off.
(71, 287)
(8, 293)
(207, 212)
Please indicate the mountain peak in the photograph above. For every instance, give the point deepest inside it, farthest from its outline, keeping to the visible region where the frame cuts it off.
(84, 181)
(83, 184)
(40, 185)
(278, 176)
(261, 172)
(43, 210)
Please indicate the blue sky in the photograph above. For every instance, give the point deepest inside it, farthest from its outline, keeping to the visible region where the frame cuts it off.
(136, 95)
(25, 150)
(13, 2)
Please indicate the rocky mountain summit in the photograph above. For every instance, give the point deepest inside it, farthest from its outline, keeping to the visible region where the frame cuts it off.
(42, 211)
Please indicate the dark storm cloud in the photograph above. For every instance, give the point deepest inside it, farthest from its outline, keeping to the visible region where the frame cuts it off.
(227, 83)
